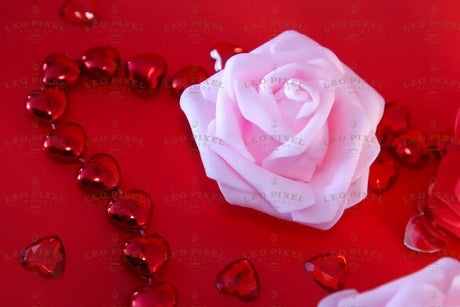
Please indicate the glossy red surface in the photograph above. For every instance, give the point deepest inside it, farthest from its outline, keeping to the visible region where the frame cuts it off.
(240, 279)
(159, 295)
(45, 256)
(47, 105)
(66, 143)
(407, 51)
(131, 211)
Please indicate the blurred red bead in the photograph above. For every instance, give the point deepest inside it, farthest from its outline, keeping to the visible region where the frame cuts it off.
(160, 294)
(146, 256)
(80, 12)
(60, 71)
(382, 173)
(240, 279)
(221, 52)
(185, 77)
(101, 62)
(328, 270)
(130, 211)
(66, 143)
(45, 256)
(47, 105)
(101, 173)
(395, 120)
(410, 148)
(145, 73)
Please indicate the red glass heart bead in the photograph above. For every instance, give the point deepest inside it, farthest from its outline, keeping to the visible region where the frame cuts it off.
(66, 143)
(45, 256)
(240, 279)
(101, 62)
(80, 12)
(395, 120)
(160, 294)
(101, 173)
(59, 70)
(130, 211)
(145, 72)
(47, 105)
(410, 148)
(146, 256)
(328, 270)
(221, 52)
(422, 235)
(185, 77)
(383, 173)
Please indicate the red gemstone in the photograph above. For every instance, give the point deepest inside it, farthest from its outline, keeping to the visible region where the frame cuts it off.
(160, 294)
(240, 279)
(383, 173)
(410, 148)
(45, 256)
(80, 12)
(131, 211)
(328, 270)
(100, 174)
(47, 105)
(395, 120)
(145, 72)
(59, 70)
(422, 235)
(146, 256)
(187, 76)
(66, 143)
(101, 62)
(221, 52)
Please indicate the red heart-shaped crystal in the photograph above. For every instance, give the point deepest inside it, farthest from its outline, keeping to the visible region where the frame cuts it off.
(130, 211)
(146, 256)
(410, 148)
(47, 105)
(382, 173)
(185, 77)
(395, 120)
(222, 52)
(328, 270)
(45, 256)
(101, 62)
(80, 12)
(160, 294)
(145, 72)
(100, 174)
(59, 70)
(66, 143)
(239, 278)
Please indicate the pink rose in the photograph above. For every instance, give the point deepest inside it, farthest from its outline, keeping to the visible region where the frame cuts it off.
(446, 212)
(287, 129)
(436, 285)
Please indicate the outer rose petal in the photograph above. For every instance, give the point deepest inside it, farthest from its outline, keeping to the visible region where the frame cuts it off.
(309, 178)
(435, 285)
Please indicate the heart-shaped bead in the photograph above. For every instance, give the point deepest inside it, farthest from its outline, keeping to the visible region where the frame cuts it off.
(240, 279)
(145, 72)
(66, 143)
(422, 235)
(160, 294)
(80, 12)
(222, 52)
(45, 256)
(410, 148)
(47, 105)
(101, 173)
(185, 77)
(382, 173)
(328, 270)
(395, 121)
(59, 70)
(101, 62)
(146, 256)
(130, 211)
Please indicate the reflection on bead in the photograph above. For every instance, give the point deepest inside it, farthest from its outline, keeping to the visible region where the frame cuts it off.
(185, 77)
(101, 62)
(65, 143)
(45, 256)
(131, 211)
(145, 72)
(80, 12)
(100, 174)
(47, 105)
(240, 279)
(159, 294)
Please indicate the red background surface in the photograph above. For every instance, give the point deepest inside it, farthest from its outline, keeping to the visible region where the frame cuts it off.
(407, 49)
